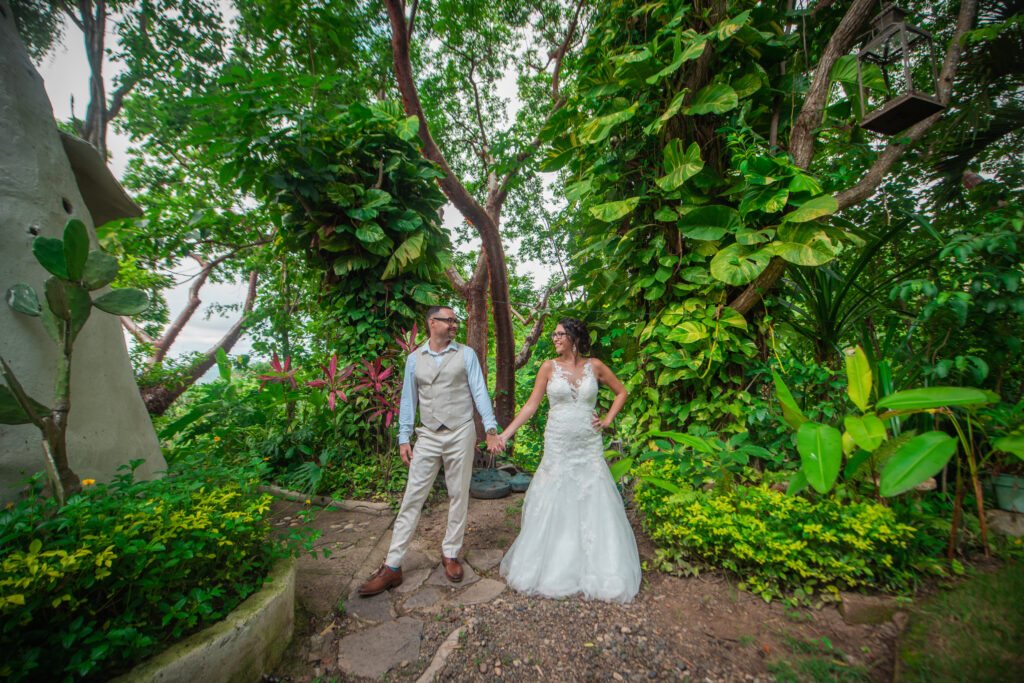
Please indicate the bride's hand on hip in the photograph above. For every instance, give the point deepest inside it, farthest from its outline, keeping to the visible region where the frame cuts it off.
(598, 424)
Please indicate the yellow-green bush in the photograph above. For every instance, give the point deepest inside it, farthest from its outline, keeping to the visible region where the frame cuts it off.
(778, 544)
(122, 570)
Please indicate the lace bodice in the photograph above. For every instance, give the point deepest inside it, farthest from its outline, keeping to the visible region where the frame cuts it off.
(566, 392)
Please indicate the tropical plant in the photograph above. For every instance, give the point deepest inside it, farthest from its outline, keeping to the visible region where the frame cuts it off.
(75, 272)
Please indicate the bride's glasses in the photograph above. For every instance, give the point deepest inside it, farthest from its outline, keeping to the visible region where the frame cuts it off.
(558, 335)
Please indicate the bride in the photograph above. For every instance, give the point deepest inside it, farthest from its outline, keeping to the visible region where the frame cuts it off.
(575, 537)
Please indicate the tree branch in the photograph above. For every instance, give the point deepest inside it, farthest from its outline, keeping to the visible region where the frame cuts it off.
(526, 350)
(136, 331)
(562, 49)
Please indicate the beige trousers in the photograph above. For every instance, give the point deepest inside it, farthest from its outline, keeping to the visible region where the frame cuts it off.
(454, 449)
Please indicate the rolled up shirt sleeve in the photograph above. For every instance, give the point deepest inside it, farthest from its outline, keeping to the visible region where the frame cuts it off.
(407, 407)
(478, 388)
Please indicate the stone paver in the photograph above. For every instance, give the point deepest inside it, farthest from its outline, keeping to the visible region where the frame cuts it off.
(437, 577)
(374, 608)
(411, 581)
(485, 591)
(428, 597)
(484, 560)
(373, 652)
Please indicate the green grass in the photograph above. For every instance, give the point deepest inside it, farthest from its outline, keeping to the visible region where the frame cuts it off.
(814, 660)
(974, 632)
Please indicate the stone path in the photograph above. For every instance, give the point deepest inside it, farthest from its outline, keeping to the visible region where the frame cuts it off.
(345, 636)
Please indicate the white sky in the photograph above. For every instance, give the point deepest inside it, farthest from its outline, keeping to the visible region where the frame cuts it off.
(66, 75)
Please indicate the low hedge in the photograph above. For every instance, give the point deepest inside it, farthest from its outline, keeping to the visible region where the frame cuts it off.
(778, 544)
(125, 569)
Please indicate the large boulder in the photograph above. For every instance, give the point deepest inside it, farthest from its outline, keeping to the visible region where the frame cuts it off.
(44, 181)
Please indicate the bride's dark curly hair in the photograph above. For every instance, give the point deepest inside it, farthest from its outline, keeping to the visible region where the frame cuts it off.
(578, 334)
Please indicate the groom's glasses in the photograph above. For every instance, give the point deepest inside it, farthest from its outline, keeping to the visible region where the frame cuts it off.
(447, 321)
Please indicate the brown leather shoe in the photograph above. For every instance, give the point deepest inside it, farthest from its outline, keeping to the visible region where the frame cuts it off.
(452, 569)
(386, 578)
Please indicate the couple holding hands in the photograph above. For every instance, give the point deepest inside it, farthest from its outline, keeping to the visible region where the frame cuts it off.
(574, 536)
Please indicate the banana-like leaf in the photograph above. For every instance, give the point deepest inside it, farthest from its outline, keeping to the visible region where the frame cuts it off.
(858, 378)
(797, 483)
(790, 412)
(23, 299)
(921, 457)
(867, 431)
(933, 397)
(50, 254)
(125, 301)
(821, 453)
(100, 270)
(620, 467)
(613, 211)
(406, 253)
(854, 463)
(76, 248)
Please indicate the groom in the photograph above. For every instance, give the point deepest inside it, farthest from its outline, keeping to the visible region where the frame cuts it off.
(445, 379)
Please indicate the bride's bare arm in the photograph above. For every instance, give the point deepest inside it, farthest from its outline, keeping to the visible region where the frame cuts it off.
(604, 375)
(532, 403)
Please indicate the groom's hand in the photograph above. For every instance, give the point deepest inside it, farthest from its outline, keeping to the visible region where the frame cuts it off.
(494, 443)
(405, 450)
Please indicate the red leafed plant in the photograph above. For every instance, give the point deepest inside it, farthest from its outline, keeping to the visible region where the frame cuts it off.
(383, 395)
(279, 374)
(333, 381)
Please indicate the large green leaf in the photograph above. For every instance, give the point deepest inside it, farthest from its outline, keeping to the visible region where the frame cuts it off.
(1014, 443)
(23, 299)
(716, 98)
(824, 205)
(50, 254)
(76, 248)
(125, 301)
(821, 453)
(370, 232)
(408, 127)
(767, 198)
(679, 166)
(867, 431)
(406, 253)
(620, 467)
(613, 211)
(933, 397)
(709, 222)
(738, 265)
(687, 332)
(790, 411)
(921, 457)
(858, 380)
(816, 253)
(797, 483)
(598, 128)
(100, 270)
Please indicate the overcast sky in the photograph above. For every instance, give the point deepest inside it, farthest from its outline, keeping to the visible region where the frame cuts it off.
(66, 75)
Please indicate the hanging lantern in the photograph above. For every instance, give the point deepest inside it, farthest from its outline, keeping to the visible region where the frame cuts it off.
(905, 56)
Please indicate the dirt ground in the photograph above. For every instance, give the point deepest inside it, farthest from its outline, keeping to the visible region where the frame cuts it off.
(700, 629)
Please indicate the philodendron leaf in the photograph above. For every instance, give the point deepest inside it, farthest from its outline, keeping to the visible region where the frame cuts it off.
(858, 378)
(679, 166)
(126, 301)
(100, 270)
(613, 211)
(709, 222)
(821, 453)
(23, 299)
(79, 306)
(406, 253)
(823, 205)
(933, 397)
(867, 431)
(716, 98)
(11, 412)
(790, 412)
(738, 265)
(76, 248)
(921, 457)
(50, 254)
(57, 298)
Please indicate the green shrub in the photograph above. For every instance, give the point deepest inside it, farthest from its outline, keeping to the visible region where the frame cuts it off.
(777, 544)
(125, 569)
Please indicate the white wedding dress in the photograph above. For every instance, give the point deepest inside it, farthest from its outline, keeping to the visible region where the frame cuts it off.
(575, 537)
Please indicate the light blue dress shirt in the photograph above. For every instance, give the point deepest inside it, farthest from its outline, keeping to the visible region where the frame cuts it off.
(410, 395)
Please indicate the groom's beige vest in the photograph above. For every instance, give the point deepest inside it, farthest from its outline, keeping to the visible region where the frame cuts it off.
(443, 391)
